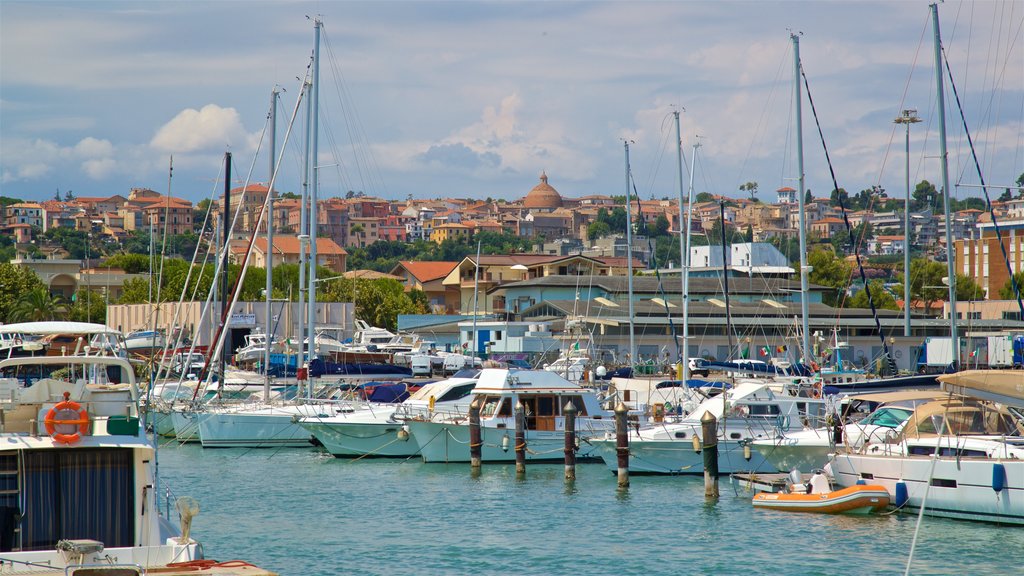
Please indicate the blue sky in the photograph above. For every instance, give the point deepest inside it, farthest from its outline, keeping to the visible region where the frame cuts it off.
(472, 99)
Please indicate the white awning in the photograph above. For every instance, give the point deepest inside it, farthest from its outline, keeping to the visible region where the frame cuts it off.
(56, 327)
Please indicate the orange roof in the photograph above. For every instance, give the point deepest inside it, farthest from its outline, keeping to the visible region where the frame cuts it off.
(829, 220)
(425, 271)
(290, 245)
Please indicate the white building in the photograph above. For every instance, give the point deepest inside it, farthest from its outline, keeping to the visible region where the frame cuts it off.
(753, 257)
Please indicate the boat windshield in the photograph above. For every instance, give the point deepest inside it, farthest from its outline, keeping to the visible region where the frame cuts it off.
(889, 417)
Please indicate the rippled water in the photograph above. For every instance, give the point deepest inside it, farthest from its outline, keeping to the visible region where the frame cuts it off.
(303, 512)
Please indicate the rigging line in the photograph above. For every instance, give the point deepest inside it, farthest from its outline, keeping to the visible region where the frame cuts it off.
(846, 220)
(981, 178)
(184, 288)
(903, 98)
(214, 349)
(353, 119)
(760, 128)
(657, 273)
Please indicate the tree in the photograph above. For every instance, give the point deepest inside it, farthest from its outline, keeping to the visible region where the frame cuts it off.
(924, 195)
(597, 230)
(69, 196)
(704, 197)
(926, 281)
(378, 302)
(839, 197)
(883, 299)
(830, 271)
(1006, 292)
(88, 306)
(661, 226)
(37, 305)
(967, 289)
(751, 188)
(199, 213)
(808, 198)
(130, 263)
(14, 282)
(749, 236)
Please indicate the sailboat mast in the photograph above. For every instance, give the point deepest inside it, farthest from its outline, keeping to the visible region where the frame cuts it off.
(224, 292)
(476, 294)
(944, 159)
(684, 228)
(801, 199)
(303, 238)
(269, 255)
(629, 263)
(313, 184)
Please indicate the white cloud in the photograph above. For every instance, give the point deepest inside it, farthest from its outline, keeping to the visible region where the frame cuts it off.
(209, 128)
(94, 148)
(99, 168)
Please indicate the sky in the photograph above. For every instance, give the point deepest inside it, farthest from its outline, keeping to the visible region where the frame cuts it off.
(475, 99)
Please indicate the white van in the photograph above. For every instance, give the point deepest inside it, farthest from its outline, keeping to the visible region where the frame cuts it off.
(421, 365)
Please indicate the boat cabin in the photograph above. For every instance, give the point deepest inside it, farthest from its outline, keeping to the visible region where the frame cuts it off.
(543, 395)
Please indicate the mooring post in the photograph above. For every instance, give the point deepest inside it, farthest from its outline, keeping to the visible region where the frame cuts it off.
(520, 414)
(709, 428)
(474, 434)
(569, 412)
(622, 443)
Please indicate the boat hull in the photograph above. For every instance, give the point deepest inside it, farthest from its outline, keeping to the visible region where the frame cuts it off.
(678, 457)
(186, 425)
(785, 455)
(256, 429)
(362, 439)
(857, 499)
(958, 488)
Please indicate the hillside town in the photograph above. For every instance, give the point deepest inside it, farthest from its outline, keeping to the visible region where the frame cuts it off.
(78, 248)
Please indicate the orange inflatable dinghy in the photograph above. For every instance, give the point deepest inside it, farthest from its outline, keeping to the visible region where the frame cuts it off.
(860, 499)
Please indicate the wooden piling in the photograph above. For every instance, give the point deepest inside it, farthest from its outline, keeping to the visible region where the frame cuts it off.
(622, 443)
(475, 441)
(569, 412)
(709, 428)
(520, 417)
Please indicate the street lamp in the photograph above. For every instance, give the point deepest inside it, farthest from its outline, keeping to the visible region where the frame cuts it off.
(907, 117)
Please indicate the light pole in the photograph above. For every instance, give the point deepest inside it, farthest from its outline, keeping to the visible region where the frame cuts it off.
(907, 117)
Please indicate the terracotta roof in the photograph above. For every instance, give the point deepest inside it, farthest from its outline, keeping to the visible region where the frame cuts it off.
(290, 245)
(425, 271)
(829, 220)
(370, 275)
(542, 195)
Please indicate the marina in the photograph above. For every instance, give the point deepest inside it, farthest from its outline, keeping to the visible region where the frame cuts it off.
(387, 516)
(295, 376)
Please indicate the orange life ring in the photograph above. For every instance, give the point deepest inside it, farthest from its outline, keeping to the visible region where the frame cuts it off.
(67, 414)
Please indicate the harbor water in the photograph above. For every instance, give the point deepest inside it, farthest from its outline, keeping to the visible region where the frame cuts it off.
(304, 512)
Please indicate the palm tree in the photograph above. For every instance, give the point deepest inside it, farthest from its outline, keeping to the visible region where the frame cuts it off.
(37, 305)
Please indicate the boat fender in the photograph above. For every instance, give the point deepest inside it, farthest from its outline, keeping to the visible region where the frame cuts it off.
(998, 477)
(67, 421)
(901, 494)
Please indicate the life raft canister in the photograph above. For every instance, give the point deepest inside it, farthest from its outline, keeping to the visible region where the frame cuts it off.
(67, 422)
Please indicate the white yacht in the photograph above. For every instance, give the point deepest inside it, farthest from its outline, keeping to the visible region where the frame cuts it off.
(870, 417)
(379, 430)
(255, 348)
(83, 496)
(960, 457)
(745, 413)
(145, 341)
(444, 437)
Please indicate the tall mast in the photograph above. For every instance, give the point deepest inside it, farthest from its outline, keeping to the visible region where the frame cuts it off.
(224, 292)
(476, 294)
(629, 262)
(804, 270)
(944, 159)
(313, 184)
(684, 225)
(270, 247)
(303, 238)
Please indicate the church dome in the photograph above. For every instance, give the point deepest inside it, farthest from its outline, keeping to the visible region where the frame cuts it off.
(543, 196)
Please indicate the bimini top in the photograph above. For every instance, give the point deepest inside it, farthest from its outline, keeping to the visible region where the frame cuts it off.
(56, 327)
(1003, 386)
